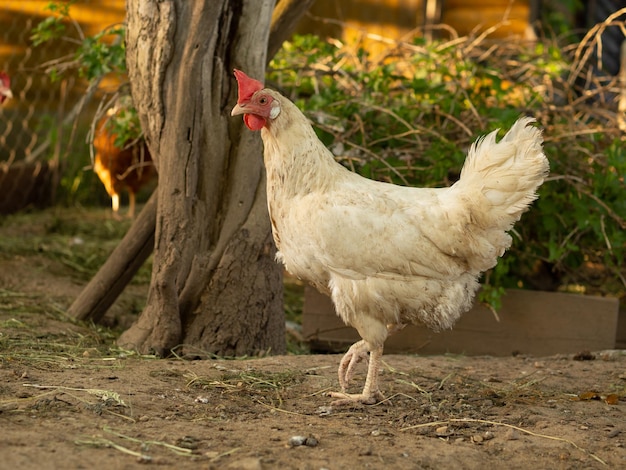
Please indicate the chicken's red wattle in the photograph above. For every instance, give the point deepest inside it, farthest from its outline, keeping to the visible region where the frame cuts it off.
(254, 122)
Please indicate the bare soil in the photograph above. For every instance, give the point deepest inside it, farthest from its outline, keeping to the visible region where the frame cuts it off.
(69, 398)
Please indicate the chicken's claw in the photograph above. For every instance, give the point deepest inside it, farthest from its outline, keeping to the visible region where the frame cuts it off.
(370, 394)
(352, 398)
(357, 352)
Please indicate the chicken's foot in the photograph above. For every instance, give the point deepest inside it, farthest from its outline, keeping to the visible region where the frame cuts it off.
(357, 352)
(131, 204)
(115, 206)
(370, 394)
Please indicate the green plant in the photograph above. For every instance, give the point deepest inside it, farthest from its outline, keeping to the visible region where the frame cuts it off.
(94, 57)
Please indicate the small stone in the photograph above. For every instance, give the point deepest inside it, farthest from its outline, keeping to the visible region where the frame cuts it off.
(324, 410)
(311, 442)
(295, 441)
(441, 431)
(584, 356)
(188, 442)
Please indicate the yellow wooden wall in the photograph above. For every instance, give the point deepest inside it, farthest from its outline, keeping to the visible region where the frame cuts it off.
(348, 19)
(394, 19)
(468, 15)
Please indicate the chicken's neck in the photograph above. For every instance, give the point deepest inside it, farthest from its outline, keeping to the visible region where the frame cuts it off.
(297, 162)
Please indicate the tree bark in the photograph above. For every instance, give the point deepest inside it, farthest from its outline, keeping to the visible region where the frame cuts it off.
(212, 231)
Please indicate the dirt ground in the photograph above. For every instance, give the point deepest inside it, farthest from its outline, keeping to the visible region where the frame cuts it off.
(69, 398)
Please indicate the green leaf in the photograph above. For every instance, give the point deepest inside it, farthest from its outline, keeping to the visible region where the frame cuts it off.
(49, 29)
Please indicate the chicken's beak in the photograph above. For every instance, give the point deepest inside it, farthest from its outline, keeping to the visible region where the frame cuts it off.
(238, 109)
(7, 94)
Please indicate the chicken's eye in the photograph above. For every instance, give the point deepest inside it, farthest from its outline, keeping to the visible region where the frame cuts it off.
(262, 100)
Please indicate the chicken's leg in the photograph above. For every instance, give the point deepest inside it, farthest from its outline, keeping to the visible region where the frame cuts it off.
(131, 204)
(357, 352)
(115, 202)
(115, 205)
(370, 394)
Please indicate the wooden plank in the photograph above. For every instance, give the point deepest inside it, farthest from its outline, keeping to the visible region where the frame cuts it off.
(531, 322)
(620, 337)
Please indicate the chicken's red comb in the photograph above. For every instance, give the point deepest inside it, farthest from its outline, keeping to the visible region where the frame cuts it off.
(247, 86)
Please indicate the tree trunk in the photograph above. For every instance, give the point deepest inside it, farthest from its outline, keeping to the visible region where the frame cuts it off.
(215, 287)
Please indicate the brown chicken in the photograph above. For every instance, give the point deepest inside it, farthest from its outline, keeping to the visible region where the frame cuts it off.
(5, 87)
(128, 168)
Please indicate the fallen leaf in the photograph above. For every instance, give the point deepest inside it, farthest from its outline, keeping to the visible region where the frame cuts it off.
(589, 396)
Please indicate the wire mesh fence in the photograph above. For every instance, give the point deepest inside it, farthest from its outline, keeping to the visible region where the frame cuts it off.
(39, 134)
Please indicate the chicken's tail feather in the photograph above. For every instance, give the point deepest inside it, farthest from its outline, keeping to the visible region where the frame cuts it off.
(498, 182)
(506, 174)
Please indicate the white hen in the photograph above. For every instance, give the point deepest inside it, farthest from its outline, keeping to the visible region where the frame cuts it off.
(388, 255)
